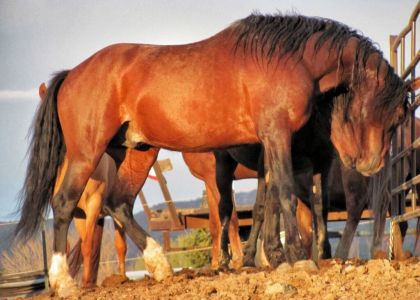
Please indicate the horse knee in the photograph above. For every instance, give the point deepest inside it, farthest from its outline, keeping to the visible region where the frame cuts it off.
(121, 213)
(121, 248)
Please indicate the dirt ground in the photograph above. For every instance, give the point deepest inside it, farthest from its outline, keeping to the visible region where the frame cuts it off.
(355, 279)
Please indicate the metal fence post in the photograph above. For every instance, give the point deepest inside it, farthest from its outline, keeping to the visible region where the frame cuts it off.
(45, 257)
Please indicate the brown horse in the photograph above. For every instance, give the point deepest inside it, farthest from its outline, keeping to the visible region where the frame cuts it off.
(254, 82)
(89, 208)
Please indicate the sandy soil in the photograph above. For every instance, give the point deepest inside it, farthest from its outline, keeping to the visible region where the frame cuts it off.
(355, 279)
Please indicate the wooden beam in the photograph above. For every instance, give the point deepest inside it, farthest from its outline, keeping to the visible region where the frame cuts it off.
(146, 207)
(167, 196)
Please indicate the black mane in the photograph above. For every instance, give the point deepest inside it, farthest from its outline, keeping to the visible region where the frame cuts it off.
(268, 37)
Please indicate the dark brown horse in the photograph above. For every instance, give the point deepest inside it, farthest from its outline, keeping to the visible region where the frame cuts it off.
(312, 152)
(254, 82)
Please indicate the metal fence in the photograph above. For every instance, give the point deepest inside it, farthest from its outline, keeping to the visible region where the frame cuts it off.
(16, 283)
(404, 56)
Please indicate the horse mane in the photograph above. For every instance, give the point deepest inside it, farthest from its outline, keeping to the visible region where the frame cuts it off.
(275, 36)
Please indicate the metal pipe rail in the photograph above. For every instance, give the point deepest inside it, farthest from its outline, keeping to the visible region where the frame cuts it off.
(401, 152)
(26, 283)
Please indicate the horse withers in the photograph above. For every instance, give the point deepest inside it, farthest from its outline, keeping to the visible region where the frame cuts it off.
(254, 82)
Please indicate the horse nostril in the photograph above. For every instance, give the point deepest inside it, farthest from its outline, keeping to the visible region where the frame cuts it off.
(349, 162)
(353, 163)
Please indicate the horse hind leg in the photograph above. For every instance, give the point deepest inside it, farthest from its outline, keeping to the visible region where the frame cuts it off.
(250, 248)
(63, 205)
(92, 213)
(132, 173)
(225, 167)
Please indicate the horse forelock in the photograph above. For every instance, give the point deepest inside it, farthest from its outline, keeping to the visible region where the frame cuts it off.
(394, 94)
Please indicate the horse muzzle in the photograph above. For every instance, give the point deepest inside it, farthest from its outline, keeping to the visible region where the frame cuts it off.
(370, 166)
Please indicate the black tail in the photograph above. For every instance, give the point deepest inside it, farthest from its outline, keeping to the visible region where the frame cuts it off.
(46, 153)
(75, 258)
(379, 194)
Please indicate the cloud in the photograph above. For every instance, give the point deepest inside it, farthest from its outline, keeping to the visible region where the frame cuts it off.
(18, 95)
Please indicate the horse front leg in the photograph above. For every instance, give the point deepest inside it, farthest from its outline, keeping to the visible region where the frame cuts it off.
(272, 247)
(235, 240)
(355, 192)
(250, 248)
(225, 167)
(324, 241)
(320, 215)
(279, 178)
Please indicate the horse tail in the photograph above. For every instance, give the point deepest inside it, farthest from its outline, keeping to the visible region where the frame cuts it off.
(75, 258)
(379, 195)
(46, 152)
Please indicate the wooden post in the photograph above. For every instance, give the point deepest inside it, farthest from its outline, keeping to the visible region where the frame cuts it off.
(166, 241)
(146, 207)
(167, 196)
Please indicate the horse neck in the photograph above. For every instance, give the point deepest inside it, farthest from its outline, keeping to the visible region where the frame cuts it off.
(327, 65)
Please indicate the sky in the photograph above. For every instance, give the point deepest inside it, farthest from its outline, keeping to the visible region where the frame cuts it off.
(40, 37)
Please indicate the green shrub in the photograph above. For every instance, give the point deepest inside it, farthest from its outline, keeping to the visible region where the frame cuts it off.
(196, 238)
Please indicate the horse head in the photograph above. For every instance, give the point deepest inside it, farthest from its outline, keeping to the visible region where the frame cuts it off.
(365, 118)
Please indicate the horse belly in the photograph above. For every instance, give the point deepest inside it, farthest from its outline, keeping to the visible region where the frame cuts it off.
(188, 135)
(191, 121)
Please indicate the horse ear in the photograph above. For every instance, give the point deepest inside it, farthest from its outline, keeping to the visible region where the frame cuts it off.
(42, 90)
(414, 84)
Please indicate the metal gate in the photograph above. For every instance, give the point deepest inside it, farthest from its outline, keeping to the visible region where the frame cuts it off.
(404, 58)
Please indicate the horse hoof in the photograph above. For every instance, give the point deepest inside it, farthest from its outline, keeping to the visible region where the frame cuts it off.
(407, 254)
(249, 261)
(295, 254)
(155, 260)
(224, 260)
(224, 264)
(60, 279)
(214, 265)
(89, 286)
(275, 258)
(68, 292)
(237, 261)
(284, 268)
(237, 264)
(379, 254)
